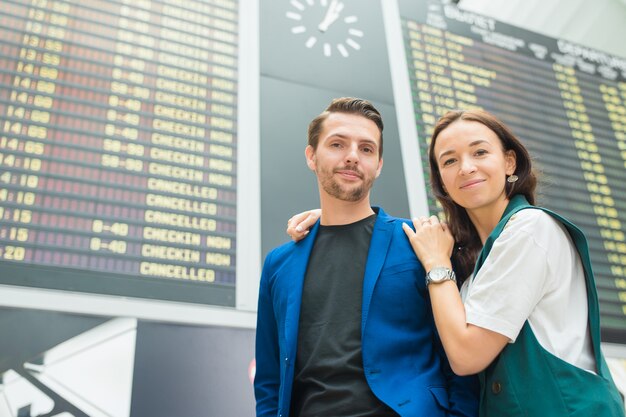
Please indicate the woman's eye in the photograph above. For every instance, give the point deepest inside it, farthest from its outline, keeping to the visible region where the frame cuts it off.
(447, 162)
(481, 152)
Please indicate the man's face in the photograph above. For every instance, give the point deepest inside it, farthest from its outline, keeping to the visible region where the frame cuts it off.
(346, 160)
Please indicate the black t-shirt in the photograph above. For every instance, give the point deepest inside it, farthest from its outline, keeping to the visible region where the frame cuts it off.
(329, 378)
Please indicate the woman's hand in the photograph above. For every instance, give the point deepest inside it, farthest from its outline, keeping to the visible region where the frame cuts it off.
(470, 349)
(298, 226)
(432, 241)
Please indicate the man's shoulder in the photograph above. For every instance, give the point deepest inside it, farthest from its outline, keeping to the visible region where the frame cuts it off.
(278, 254)
(400, 251)
(387, 218)
(396, 223)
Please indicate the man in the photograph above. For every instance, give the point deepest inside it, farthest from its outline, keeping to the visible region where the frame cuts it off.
(344, 322)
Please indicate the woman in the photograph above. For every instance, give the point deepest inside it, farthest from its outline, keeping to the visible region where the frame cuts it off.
(528, 322)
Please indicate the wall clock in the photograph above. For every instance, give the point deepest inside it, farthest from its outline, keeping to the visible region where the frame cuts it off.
(326, 26)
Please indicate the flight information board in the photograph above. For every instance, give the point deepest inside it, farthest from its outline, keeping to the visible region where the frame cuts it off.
(564, 101)
(118, 147)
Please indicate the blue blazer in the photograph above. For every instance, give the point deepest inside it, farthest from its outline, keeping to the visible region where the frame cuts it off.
(403, 359)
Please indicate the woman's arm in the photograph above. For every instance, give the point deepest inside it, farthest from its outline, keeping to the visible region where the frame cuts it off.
(470, 349)
(298, 226)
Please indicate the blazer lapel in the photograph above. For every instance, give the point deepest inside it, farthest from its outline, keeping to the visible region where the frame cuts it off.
(296, 271)
(379, 246)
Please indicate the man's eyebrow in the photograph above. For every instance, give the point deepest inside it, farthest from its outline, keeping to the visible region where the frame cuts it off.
(344, 136)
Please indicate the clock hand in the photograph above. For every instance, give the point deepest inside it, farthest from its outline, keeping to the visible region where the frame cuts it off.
(332, 13)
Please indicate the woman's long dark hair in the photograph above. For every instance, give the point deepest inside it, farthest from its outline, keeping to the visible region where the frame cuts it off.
(468, 243)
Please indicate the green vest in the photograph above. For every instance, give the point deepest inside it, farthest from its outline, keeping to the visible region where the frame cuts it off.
(526, 380)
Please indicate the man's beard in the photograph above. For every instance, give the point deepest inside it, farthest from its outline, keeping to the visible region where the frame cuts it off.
(332, 187)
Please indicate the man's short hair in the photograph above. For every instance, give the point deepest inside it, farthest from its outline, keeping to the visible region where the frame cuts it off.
(349, 105)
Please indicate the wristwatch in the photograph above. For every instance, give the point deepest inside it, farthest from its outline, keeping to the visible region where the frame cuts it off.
(440, 274)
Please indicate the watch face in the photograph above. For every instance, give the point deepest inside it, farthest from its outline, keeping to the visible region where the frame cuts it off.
(440, 274)
(326, 26)
(437, 274)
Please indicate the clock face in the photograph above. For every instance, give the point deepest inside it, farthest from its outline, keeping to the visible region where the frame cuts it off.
(325, 26)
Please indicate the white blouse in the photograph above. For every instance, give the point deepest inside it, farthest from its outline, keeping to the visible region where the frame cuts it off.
(534, 273)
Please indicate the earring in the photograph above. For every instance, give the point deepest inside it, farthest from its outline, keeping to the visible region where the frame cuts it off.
(512, 178)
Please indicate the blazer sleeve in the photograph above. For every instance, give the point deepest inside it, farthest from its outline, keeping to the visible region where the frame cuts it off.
(463, 391)
(267, 377)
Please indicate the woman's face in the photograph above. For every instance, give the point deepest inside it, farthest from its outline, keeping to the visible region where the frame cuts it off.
(473, 166)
